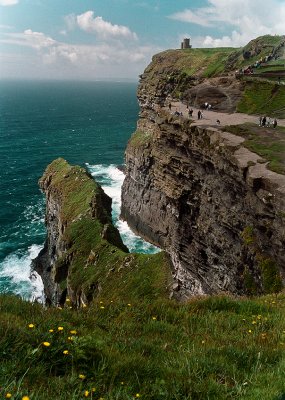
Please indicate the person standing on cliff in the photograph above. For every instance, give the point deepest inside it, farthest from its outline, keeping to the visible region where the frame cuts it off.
(199, 114)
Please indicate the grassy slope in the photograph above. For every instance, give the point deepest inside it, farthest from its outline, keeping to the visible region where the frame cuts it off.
(213, 348)
(269, 143)
(263, 97)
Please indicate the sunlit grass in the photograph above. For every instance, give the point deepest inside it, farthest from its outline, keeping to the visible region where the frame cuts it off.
(216, 347)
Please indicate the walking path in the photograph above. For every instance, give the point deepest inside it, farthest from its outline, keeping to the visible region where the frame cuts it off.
(210, 117)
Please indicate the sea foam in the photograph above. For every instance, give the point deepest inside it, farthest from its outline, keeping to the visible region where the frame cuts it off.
(16, 275)
(111, 178)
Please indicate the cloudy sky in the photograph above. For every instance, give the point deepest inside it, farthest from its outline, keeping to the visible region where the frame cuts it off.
(111, 39)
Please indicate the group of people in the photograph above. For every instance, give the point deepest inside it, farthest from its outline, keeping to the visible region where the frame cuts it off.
(267, 121)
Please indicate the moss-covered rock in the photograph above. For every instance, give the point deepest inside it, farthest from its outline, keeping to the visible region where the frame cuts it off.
(84, 254)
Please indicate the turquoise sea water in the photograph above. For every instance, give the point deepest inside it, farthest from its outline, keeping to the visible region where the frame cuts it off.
(87, 124)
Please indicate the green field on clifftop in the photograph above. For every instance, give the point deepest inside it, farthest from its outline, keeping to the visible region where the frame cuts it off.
(211, 348)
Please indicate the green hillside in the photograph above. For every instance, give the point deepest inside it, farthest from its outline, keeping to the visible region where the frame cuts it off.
(212, 348)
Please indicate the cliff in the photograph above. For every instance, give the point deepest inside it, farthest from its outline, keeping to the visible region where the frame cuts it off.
(84, 255)
(198, 193)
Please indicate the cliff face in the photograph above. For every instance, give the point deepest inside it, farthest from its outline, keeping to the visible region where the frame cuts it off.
(208, 201)
(84, 255)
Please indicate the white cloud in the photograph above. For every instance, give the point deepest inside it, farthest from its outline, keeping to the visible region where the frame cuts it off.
(89, 23)
(29, 38)
(119, 58)
(8, 2)
(243, 19)
(198, 17)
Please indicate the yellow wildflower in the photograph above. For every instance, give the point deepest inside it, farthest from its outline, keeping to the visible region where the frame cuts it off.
(31, 326)
(86, 393)
(25, 398)
(51, 330)
(8, 395)
(67, 300)
(154, 318)
(46, 344)
(81, 376)
(101, 302)
(129, 304)
(65, 352)
(249, 331)
(137, 395)
(253, 322)
(70, 338)
(73, 332)
(203, 341)
(60, 328)
(93, 390)
(102, 307)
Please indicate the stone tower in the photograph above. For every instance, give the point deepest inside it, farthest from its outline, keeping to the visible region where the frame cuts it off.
(186, 44)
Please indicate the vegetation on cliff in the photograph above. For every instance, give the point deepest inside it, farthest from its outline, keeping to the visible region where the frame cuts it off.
(266, 142)
(89, 257)
(216, 348)
(200, 75)
(131, 341)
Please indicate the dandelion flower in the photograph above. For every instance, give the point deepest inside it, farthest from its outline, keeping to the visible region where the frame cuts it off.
(65, 352)
(51, 330)
(73, 332)
(8, 396)
(70, 338)
(60, 328)
(101, 302)
(249, 331)
(129, 304)
(81, 376)
(46, 344)
(102, 307)
(25, 398)
(31, 326)
(154, 318)
(86, 393)
(137, 395)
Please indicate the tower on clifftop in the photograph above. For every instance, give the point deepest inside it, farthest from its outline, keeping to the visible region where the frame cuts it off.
(186, 44)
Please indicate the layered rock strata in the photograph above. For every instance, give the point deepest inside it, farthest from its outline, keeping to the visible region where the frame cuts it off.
(208, 201)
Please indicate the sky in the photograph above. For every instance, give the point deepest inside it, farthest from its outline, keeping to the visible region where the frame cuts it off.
(115, 39)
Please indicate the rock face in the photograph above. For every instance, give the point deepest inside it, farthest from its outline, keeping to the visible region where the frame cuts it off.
(204, 198)
(84, 256)
(71, 196)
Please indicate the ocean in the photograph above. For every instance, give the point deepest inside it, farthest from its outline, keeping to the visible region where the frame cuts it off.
(88, 124)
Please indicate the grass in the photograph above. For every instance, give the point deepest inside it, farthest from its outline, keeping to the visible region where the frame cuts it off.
(263, 98)
(269, 143)
(211, 348)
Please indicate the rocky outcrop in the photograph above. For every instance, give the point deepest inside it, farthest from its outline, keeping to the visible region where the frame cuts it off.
(71, 197)
(210, 203)
(84, 256)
